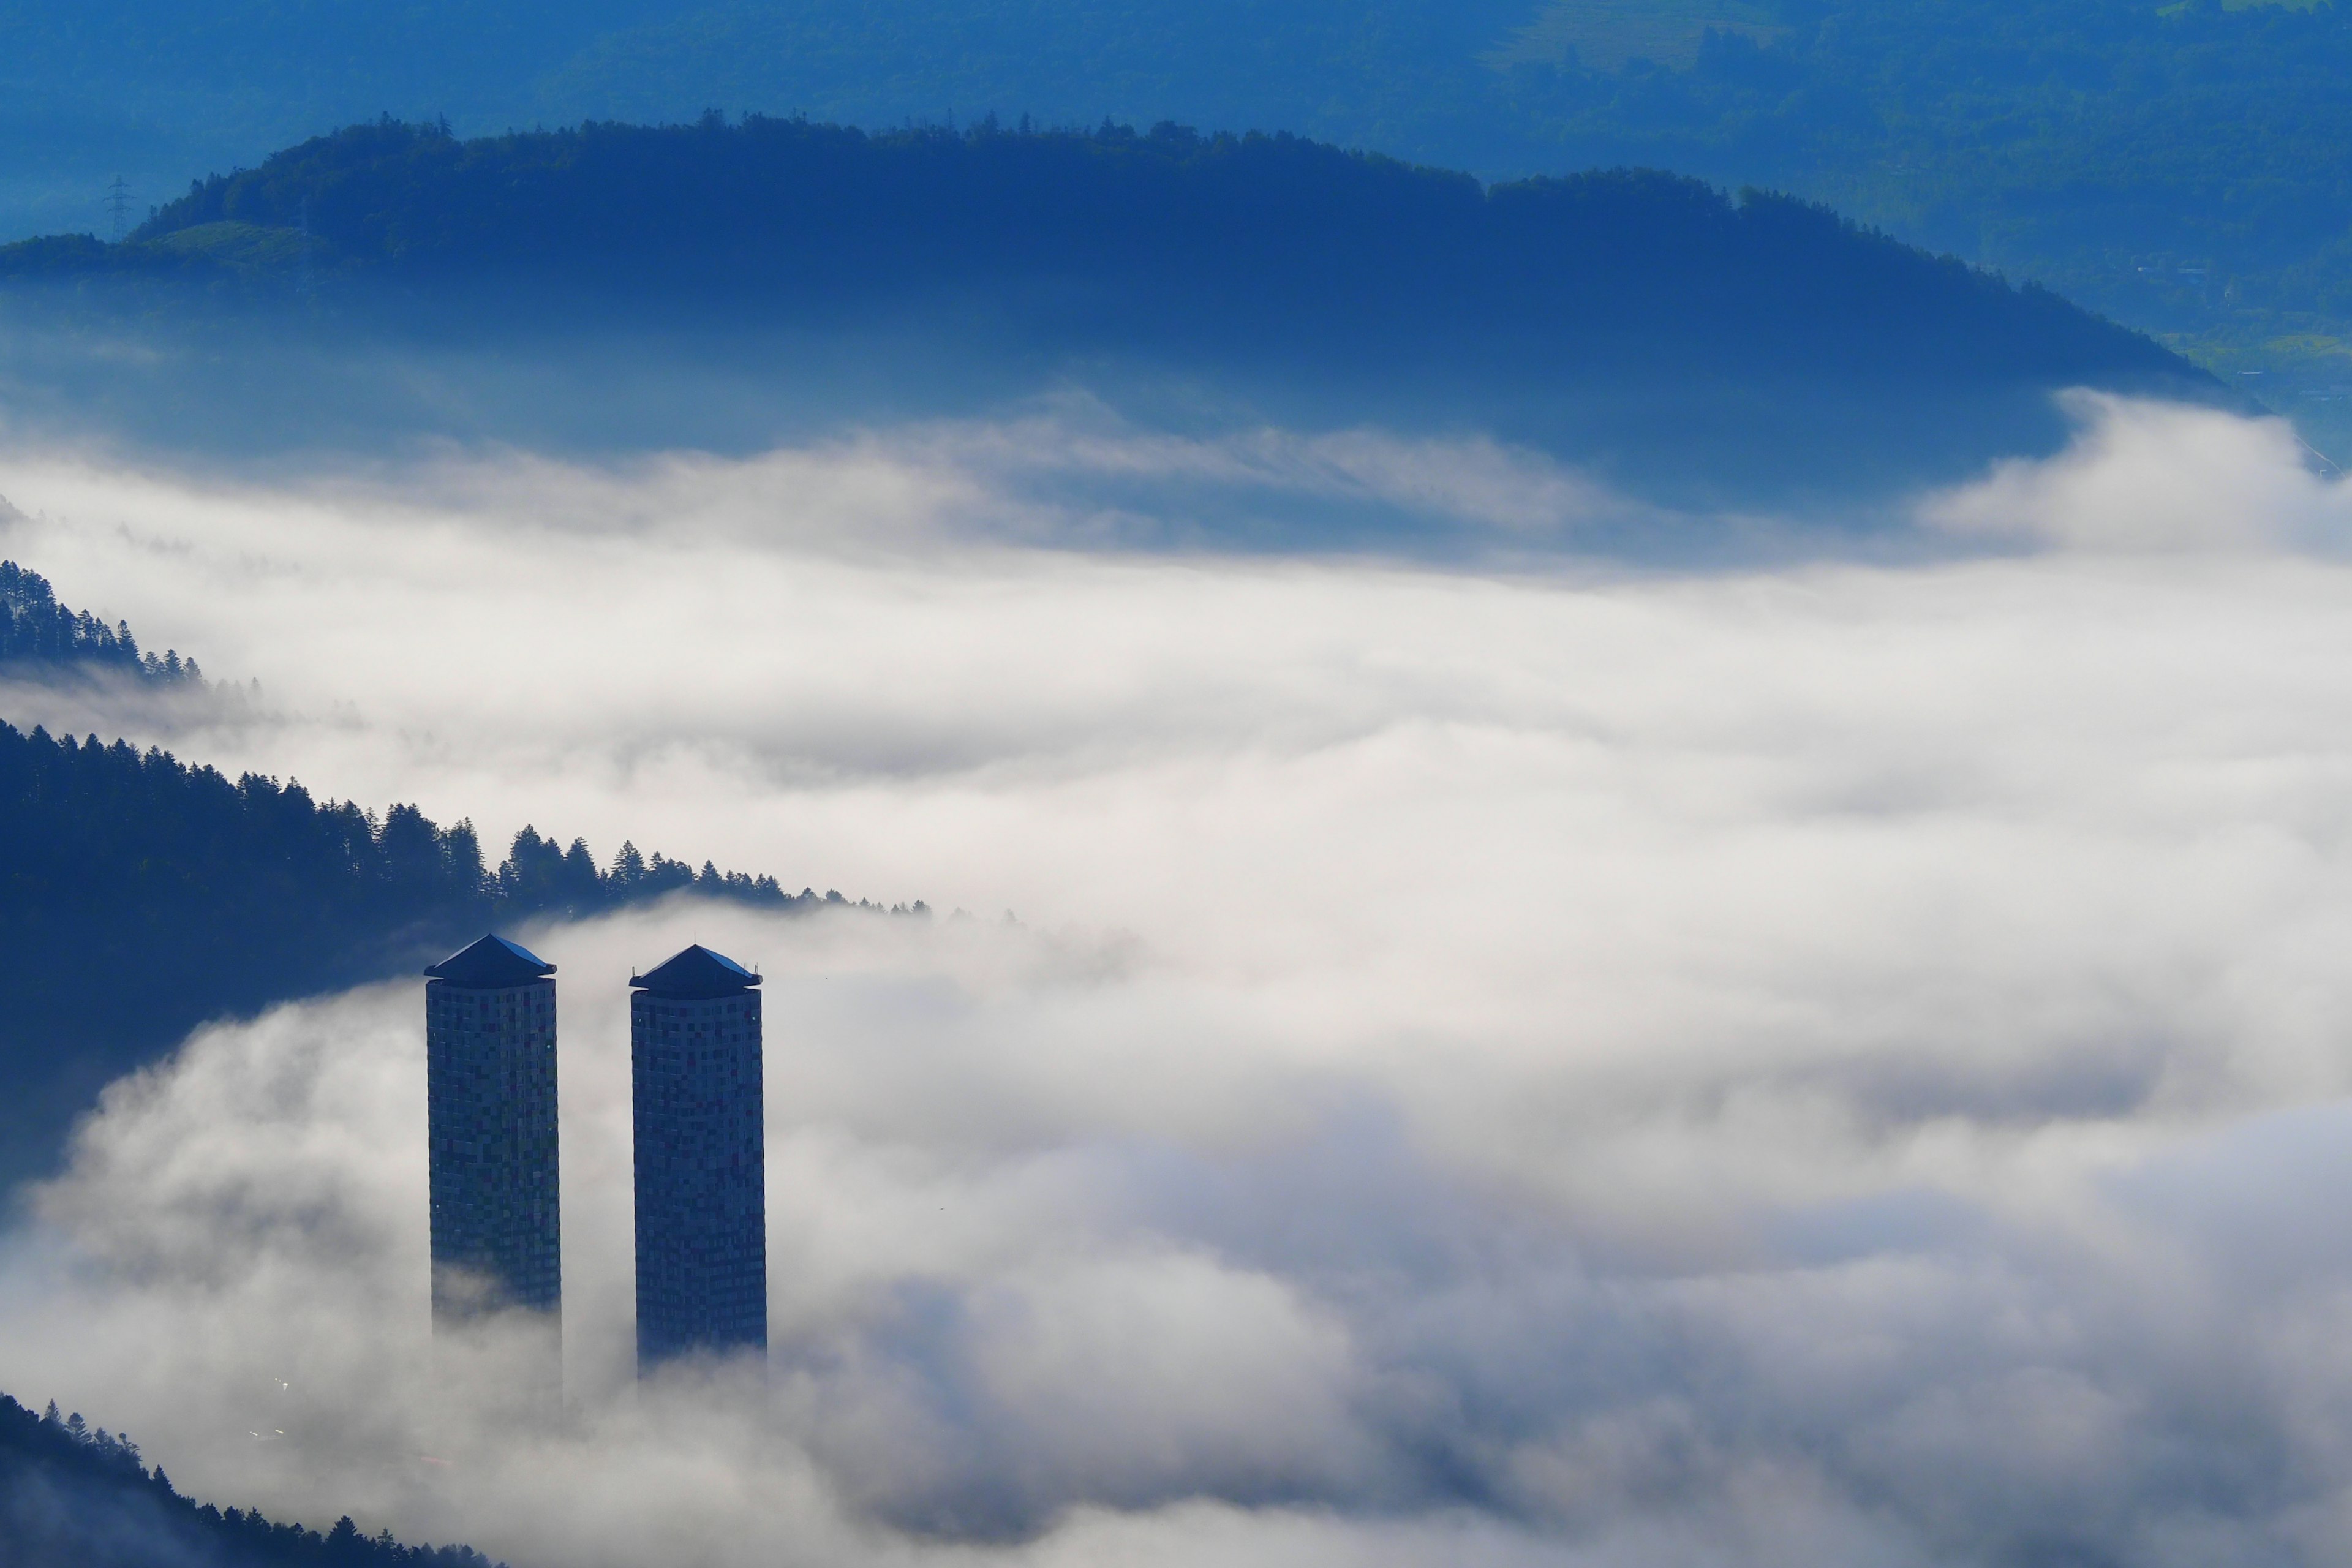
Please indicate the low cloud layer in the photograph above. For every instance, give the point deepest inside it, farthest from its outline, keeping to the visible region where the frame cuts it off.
(1839, 1064)
(2158, 478)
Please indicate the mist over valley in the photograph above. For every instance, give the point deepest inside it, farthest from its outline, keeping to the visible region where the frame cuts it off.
(1327, 849)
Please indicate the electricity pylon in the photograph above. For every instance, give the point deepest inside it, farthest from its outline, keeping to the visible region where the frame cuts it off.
(118, 206)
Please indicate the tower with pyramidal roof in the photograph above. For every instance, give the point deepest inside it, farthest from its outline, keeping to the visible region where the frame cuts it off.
(701, 1162)
(489, 1090)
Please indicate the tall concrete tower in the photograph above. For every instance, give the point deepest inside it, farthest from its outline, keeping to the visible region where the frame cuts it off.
(701, 1153)
(489, 1091)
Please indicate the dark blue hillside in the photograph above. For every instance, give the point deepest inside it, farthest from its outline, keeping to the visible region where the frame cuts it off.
(72, 1496)
(41, 638)
(140, 897)
(1260, 247)
(2182, 166)
(778, 278)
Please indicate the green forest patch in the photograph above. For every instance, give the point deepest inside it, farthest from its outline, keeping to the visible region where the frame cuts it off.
(2305, 377)
(244, 247)
(1604, 34)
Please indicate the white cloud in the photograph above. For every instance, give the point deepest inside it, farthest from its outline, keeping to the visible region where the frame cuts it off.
(1833, 1064)
(2158, 476)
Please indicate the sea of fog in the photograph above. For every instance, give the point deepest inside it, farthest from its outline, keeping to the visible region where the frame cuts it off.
(1534, 1060)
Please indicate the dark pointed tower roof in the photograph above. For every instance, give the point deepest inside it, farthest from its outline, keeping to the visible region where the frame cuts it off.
(696, 972)
(491, 962)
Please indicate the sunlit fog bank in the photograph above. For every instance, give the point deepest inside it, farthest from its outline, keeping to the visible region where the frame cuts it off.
(1841, 1063)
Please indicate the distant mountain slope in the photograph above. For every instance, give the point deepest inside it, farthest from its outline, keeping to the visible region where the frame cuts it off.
(159, 90)
(1260, 246)
(1702, 350)
(2179, 164)
(73, 1497)
(2101, 144)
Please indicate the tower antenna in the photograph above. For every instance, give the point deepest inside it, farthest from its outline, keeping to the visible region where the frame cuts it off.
(118, 206)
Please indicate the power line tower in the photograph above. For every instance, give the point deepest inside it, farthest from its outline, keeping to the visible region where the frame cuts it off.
(118, 206)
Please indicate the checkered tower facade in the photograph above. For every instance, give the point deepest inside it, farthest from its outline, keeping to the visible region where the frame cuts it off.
(490, 1096)
(701, 1164)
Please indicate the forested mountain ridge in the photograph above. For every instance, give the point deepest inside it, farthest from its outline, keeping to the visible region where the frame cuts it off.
(1265, 245)
(76, 1497)
(41, 637)
(141, 896)
(2075, 141)
(2181, 167)
(1696, 350)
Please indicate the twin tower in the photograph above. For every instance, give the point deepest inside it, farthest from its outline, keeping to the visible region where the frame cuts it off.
(701, 1162)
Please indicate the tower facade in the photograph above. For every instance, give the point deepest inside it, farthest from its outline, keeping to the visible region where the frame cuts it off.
(489, 1091)
(701, 1157)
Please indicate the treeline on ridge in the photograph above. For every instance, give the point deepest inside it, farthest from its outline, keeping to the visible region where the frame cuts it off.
(140, 896)
(73, 1496)
(1257, 245)
(39, 634)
